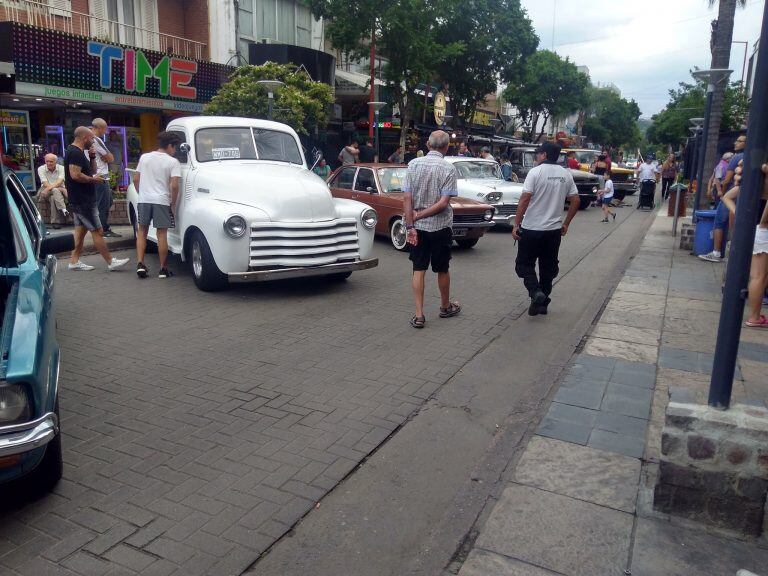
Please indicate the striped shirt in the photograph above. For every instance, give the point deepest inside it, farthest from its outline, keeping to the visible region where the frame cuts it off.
(427, 179)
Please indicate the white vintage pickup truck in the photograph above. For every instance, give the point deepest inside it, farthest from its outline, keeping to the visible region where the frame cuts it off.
(249, 209)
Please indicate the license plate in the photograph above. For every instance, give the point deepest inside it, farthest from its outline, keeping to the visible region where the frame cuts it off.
(459, 232)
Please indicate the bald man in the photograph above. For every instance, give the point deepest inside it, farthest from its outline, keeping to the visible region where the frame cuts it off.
(81, 186)
(52, 188)
(101, 154)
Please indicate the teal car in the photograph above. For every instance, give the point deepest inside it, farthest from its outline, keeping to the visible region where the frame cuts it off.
(30, 440)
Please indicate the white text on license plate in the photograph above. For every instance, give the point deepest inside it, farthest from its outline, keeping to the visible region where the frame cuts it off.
(459, 232)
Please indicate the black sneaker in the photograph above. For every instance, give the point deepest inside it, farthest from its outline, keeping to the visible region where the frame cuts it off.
(141, 270)
(165, 273)
(543, 307)
(537, 300)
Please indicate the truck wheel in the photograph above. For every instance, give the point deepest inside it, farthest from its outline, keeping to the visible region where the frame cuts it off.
(47, 474)
(397, 234)
(206, 274)
(467, 243)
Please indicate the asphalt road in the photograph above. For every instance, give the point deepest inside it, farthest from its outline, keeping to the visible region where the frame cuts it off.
(200, 428)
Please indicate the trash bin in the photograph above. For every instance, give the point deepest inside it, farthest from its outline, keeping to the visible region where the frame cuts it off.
(703, 242)
(674, 190)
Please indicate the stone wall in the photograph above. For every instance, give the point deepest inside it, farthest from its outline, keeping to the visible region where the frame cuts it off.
(118, 214)
(687, 231)
(714, 465)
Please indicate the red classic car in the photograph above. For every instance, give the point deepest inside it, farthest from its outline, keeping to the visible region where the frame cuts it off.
(379, 186)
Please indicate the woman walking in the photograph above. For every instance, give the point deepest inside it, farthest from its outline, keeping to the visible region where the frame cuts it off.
(606, 195)
(668, 175)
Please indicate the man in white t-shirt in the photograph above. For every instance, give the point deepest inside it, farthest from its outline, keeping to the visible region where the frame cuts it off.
(103, 157)
(539, 224)
(52, 187)
(156, 181)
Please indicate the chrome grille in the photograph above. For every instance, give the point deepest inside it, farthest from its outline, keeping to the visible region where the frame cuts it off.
(506, 209)
(288, 244)
(618, 177)
(468, 218)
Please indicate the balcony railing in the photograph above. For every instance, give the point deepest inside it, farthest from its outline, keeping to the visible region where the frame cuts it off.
(42, 15)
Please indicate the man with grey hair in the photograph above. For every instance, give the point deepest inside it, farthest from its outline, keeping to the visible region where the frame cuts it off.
(429, 184)
(103, 157)
(52, 187)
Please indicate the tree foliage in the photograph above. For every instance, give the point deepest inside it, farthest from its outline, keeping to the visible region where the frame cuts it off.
(301, 103)
(496, 36)
(546, 87)
(671, 126)
(611, 120)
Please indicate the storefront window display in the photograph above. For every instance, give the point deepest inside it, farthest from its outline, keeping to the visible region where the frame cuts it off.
(16, 149)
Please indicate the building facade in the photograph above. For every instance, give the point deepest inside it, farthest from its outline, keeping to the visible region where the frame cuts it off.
(135, 63)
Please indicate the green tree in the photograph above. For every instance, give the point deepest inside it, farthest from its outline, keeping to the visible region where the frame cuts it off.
(670, 126)
(301, 103)
(546, 87)
(720, 44)
(612, 120)
(406, 32)
(497, 36)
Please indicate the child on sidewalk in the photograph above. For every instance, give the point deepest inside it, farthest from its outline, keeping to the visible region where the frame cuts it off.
(606, 196)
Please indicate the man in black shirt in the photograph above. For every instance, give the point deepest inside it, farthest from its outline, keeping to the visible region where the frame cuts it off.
(81, 187)
(368, 152)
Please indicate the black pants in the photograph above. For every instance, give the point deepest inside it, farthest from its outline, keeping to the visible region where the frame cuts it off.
(665, 184)
(541, 245)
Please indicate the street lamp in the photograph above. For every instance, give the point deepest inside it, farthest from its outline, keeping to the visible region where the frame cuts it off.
(271, 86)
(711, 77)
(376, 106)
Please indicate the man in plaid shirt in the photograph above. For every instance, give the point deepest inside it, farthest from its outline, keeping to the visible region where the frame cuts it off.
(429, 184)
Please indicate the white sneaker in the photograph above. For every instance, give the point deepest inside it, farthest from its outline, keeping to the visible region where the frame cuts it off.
(713, 256)
(117, 263)
(80, 266)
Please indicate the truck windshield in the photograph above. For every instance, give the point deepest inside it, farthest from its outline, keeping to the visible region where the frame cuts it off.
(244, 143)
(478, 170)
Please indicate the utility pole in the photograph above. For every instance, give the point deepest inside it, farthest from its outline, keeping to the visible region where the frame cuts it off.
(373, 79)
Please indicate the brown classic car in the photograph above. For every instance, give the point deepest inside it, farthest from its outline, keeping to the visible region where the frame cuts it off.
(379, 186)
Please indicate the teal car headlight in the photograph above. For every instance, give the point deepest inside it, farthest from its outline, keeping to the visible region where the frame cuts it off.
(14, 404)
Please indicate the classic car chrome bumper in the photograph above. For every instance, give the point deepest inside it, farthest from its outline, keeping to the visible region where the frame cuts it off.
(27, 436)
(302, 272)
(473, 224)
(506, 220)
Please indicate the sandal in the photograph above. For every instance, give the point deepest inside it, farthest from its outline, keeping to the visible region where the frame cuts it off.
(452, 310)
(418, 321)
(762, 323)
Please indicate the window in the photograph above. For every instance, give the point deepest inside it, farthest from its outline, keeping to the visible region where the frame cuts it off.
(345, 178)
(392, 179)
(266, 19)
(245, 18)
(132, 22)
(244, 143)
(478, 170)
(528, 159)
(286, 21)
(275, 145)
(365, 180)
(29, 213)
(516, 157)
(180, 156)
(303, 26)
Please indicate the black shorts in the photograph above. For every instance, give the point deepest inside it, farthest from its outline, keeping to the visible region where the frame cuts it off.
(432, 247)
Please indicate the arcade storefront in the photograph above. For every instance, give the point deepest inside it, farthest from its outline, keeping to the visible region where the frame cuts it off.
(51, 82)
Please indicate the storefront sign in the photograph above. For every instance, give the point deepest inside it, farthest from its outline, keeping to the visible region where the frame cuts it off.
(440, 106)
(482, 118)
(13, 117)
(53, 64)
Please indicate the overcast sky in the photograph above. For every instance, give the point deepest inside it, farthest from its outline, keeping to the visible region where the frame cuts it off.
(645, 48)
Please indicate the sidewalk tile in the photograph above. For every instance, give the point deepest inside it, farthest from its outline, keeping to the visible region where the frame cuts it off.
(484, 563)
(572, 414)
(557, 532)
(636, 379)
(633, 319)
(615, 332)
(664, 549)
(621, 424)
(621, 350)
(581, 372)
(618, 443)
(579, 472)
(585, 395)
(617, 401)
(624, 366)
(588, 360)
(566, 431)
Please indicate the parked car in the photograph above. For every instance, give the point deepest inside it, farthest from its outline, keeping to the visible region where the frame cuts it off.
(623, 178)
(480, 179)
(30, 439)
(586, 183)
(250, 209)
(380, 186)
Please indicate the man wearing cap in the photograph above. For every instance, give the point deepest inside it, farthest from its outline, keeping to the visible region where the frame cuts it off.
(539, 224)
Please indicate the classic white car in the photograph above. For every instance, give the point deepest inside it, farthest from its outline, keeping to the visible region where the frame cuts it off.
(481, 179)
(250, 210)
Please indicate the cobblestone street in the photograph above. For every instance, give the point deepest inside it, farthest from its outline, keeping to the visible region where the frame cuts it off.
(198, 428)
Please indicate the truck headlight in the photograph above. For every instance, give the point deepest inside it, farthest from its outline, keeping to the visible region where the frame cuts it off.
(14, 404)
(235, 226)
(493, 197)
(369, 218)
(595, 189)
(488, 216)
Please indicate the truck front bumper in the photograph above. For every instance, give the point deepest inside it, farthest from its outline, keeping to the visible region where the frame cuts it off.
(21, 438)
(302, 272)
